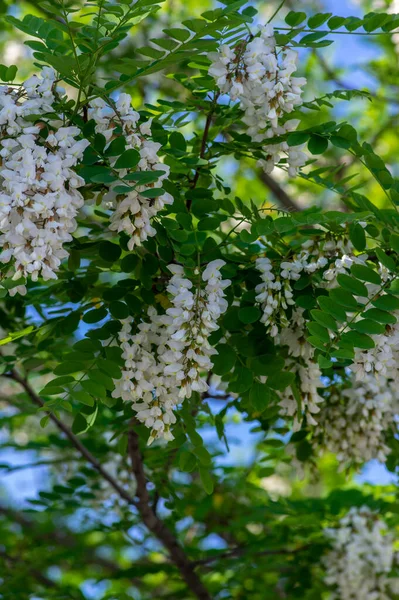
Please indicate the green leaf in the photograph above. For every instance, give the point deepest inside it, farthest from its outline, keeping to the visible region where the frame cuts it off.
(316, 342)
(319, 331)
(356, 339)
(324, 319)
(259, 396)
(95, 315)
(206, 479)
(187, 461)
(368, 326)
(109, 251)
(385, 260)
(297, 138)
(128, 159)
(83, 398)
(344, 298)
(357, 236)
(79, 424)
(116, 147)
(280, 381)
(225, 360)
(249, 314)
(365, 274)
(380, 315)
(243, 380)
(95, 389)
(352, 285)
(317, 144)
(68, 367)
(386, 302)
(295, 18)
(394, 242)
(318, 19)
(152, 192)
(119, 310)
(331, 307)
(336, 22)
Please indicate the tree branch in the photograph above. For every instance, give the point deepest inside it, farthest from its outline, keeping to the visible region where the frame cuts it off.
(150, 519)
(203, 145)
(278, 192)
(157, 526)
(72, 437)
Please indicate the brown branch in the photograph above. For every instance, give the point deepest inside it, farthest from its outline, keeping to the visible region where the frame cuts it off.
(72, 437)
(157, 526)
(150, 519)
(278, 192)
(204, 140)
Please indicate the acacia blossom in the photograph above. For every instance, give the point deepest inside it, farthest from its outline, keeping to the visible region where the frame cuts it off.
(361, 557)
(133, 211)
(39, 196)
(354, 421)
(165, 360)
(303, 400)
(260, 76)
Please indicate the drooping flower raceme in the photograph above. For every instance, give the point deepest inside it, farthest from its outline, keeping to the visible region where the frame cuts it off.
(133, 209)
(167, 357)
(353, 422)
(307, 374)
(361, 558)
(39, 196)
(260, 76)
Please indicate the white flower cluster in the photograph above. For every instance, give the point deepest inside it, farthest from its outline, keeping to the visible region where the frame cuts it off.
(352, 423)
(133, 213)
(260, 76)
(361, 558)
(39, 198)
(383, 359)
(275, 292)
(166, 359)
(305, 400)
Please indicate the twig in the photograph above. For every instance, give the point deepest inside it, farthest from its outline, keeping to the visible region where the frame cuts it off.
(208, 122)
(332, 76)
(157, 526)
(278, 192)
(240, 550)
(71, 436)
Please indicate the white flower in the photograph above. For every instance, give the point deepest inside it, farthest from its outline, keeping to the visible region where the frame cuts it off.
(132, 211)
(168, 356)
(38, 192)
(261, 79)
(361, 557)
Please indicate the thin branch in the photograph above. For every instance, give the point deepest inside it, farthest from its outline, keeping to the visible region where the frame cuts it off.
(204, 140)
(278, 192)
(240, 550)
(72, 437)
(157, 526)
(332, 76)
